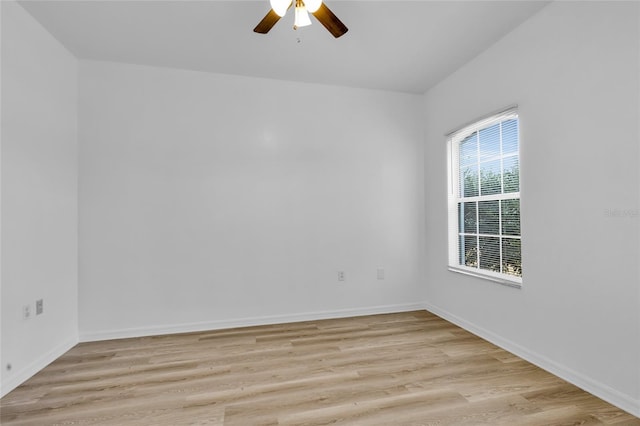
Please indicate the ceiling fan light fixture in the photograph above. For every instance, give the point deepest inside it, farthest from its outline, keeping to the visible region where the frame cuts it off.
(302, 17)
(318, 8)
(280, 6)
(312, 5)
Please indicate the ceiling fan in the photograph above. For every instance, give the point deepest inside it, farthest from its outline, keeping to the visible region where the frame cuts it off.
(302, 9)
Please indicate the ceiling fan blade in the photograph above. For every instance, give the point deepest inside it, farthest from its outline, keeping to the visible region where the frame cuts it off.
(330, 21)
(267, 22)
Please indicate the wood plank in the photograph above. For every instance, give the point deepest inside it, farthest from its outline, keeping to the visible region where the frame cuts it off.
(410, 368)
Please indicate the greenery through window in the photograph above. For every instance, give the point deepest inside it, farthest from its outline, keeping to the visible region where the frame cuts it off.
(485, 198)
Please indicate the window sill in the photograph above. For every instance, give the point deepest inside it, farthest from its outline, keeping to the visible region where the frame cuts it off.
(515, 282)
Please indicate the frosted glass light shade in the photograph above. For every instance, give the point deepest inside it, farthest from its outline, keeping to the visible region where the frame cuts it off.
(302, 17)
(312, 5)
(280, 6)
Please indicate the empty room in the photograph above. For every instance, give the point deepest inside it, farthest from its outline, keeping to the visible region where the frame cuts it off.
(309, 212)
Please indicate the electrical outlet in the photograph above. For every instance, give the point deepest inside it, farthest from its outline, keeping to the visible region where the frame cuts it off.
(39, 306)
(341, 276)
(26, 312)
(380, 274)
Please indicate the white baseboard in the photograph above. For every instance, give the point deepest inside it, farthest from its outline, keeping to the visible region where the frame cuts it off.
(245, 322)
(24, 374)
(605, 392)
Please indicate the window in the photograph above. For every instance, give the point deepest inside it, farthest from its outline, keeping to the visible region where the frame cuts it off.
(484, 199)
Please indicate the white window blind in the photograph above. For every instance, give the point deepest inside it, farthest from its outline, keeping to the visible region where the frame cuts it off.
(484, 199)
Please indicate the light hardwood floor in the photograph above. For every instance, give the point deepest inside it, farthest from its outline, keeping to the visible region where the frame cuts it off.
(396, 369)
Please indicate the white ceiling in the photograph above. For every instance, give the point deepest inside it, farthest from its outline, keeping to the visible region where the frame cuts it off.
(405, 46)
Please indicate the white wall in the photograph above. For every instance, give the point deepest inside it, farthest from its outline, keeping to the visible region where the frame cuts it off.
(39, 196)
(211, 200)
(573, 69)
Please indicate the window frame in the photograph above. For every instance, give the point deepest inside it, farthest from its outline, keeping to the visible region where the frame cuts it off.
(454, 139)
